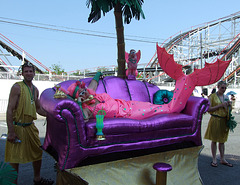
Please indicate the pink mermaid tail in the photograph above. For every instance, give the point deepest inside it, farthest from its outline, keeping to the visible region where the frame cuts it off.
(185, 84)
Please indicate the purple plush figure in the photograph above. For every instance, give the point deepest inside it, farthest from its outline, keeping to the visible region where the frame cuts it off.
(132, 60)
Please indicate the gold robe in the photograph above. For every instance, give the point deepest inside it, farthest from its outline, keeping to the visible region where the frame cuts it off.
(217, 130)
(29, 149)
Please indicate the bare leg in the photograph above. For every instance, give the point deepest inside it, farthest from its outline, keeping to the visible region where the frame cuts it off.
(214, 151)
(37, 167)
(221, 148)
(37, 178)
(15, 166)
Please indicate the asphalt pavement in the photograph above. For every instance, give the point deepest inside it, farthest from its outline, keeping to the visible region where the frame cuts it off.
(221, 175)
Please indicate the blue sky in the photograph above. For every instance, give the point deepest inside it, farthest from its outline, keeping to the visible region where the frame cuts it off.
(78, 51)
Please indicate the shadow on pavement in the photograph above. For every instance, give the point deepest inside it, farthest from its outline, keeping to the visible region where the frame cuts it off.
(220, 175)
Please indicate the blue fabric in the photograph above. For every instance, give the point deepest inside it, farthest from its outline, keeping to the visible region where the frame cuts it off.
(21, 124)
(162, 97)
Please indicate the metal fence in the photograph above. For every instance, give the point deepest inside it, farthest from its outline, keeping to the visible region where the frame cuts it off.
(40, 77)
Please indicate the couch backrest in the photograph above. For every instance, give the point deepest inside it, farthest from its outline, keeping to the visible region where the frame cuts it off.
(119, 88)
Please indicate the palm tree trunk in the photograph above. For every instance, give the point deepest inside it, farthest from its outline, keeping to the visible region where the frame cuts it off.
(120, 40)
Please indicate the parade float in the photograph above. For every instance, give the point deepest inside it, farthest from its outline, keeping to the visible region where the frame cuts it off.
(131, 147)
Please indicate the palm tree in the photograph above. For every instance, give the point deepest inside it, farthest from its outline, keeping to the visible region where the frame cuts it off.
(122, 8)
(7, 174)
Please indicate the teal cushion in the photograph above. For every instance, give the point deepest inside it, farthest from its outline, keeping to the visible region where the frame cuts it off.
(162, 97)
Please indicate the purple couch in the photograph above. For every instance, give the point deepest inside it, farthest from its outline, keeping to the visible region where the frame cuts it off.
(70, 140)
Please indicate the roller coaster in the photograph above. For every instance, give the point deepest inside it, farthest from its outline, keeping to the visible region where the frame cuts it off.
(192, 48)
(205, 43)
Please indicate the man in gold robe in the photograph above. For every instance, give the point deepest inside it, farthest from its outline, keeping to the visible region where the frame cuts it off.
(23, 143)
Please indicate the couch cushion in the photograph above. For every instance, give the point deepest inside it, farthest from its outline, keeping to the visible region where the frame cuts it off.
(138, 91)
(162, 97)
(116, 88)
(127, 126)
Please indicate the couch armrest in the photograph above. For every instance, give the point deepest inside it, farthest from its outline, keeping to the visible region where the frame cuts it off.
(56, 106)
(64, 111)
(196, 106)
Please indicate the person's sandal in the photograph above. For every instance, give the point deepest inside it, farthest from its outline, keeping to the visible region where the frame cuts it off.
(43, 182)
(227, 164)
(213, 164)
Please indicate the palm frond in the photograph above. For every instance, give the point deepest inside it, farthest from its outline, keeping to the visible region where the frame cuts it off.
(132, 8)
(98, 7)
(7, 174)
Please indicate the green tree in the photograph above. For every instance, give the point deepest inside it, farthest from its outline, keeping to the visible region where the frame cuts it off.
(77, 73)
(122, 8)
(57, 69)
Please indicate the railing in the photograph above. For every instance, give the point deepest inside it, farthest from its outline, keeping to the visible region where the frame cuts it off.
(40, 77)
(59, 78)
